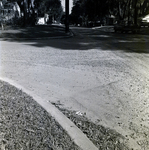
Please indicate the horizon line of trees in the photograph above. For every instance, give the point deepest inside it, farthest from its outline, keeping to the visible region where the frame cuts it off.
(32, 9)
(84, 11)
(128, 11)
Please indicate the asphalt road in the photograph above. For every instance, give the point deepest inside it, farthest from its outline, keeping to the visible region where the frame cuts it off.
(99, 73)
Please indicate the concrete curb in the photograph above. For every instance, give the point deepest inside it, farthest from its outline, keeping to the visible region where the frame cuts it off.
(73, 131)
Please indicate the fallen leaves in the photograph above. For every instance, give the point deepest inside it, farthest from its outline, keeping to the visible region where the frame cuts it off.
(103, 138)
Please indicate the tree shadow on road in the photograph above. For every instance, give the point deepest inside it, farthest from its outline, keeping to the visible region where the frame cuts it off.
(57, 38)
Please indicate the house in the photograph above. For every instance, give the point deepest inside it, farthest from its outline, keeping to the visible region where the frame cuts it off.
(146, 18)
(9, 10)
(145, 21)
(110, 20)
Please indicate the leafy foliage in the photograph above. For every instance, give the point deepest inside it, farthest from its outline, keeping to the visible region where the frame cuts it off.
(89, 10)
(30, 9)
(129, 11)
(52, 7)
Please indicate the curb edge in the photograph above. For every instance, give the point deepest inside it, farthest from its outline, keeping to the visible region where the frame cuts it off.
(79, 138)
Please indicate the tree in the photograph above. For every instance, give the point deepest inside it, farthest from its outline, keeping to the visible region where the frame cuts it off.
(126, 11)
(52, 7)
(27, 11)
(29, 7)
(129, 10)
(89, 10)
(10, 12)
(77, 12)
(142, 9)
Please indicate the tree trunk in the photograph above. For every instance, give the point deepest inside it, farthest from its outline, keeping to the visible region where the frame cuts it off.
(67, 16)
(2, 26)
(24, 13)
(135, 12)
(129, 3)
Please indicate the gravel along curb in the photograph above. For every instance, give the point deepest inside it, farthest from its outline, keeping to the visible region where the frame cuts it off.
(25, 125)
(103, 138)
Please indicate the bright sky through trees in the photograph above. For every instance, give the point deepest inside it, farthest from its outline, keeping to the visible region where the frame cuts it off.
(70, 5)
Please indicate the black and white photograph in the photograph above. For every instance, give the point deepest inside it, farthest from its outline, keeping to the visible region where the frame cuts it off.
(74, 74)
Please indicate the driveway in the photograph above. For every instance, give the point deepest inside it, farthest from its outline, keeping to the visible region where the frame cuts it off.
(101, 74)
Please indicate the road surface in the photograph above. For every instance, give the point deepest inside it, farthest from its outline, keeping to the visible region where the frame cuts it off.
(102, 74)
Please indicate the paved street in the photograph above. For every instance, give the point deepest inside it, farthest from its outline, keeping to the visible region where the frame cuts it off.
(102, 74)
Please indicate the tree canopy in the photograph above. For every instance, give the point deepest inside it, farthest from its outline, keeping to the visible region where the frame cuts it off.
(130, 10)
(91, 10)
(51, 7)
(31, 8)
(124, 10)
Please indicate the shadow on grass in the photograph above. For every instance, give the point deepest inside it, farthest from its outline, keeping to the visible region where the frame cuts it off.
(29, 33)
(83, 39)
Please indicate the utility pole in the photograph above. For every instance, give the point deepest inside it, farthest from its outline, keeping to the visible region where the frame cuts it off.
(67, 16)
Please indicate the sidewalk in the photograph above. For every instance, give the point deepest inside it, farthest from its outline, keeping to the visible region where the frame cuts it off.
(36, 32)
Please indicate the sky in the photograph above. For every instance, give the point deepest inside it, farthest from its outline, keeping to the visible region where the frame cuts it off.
(70, 5)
